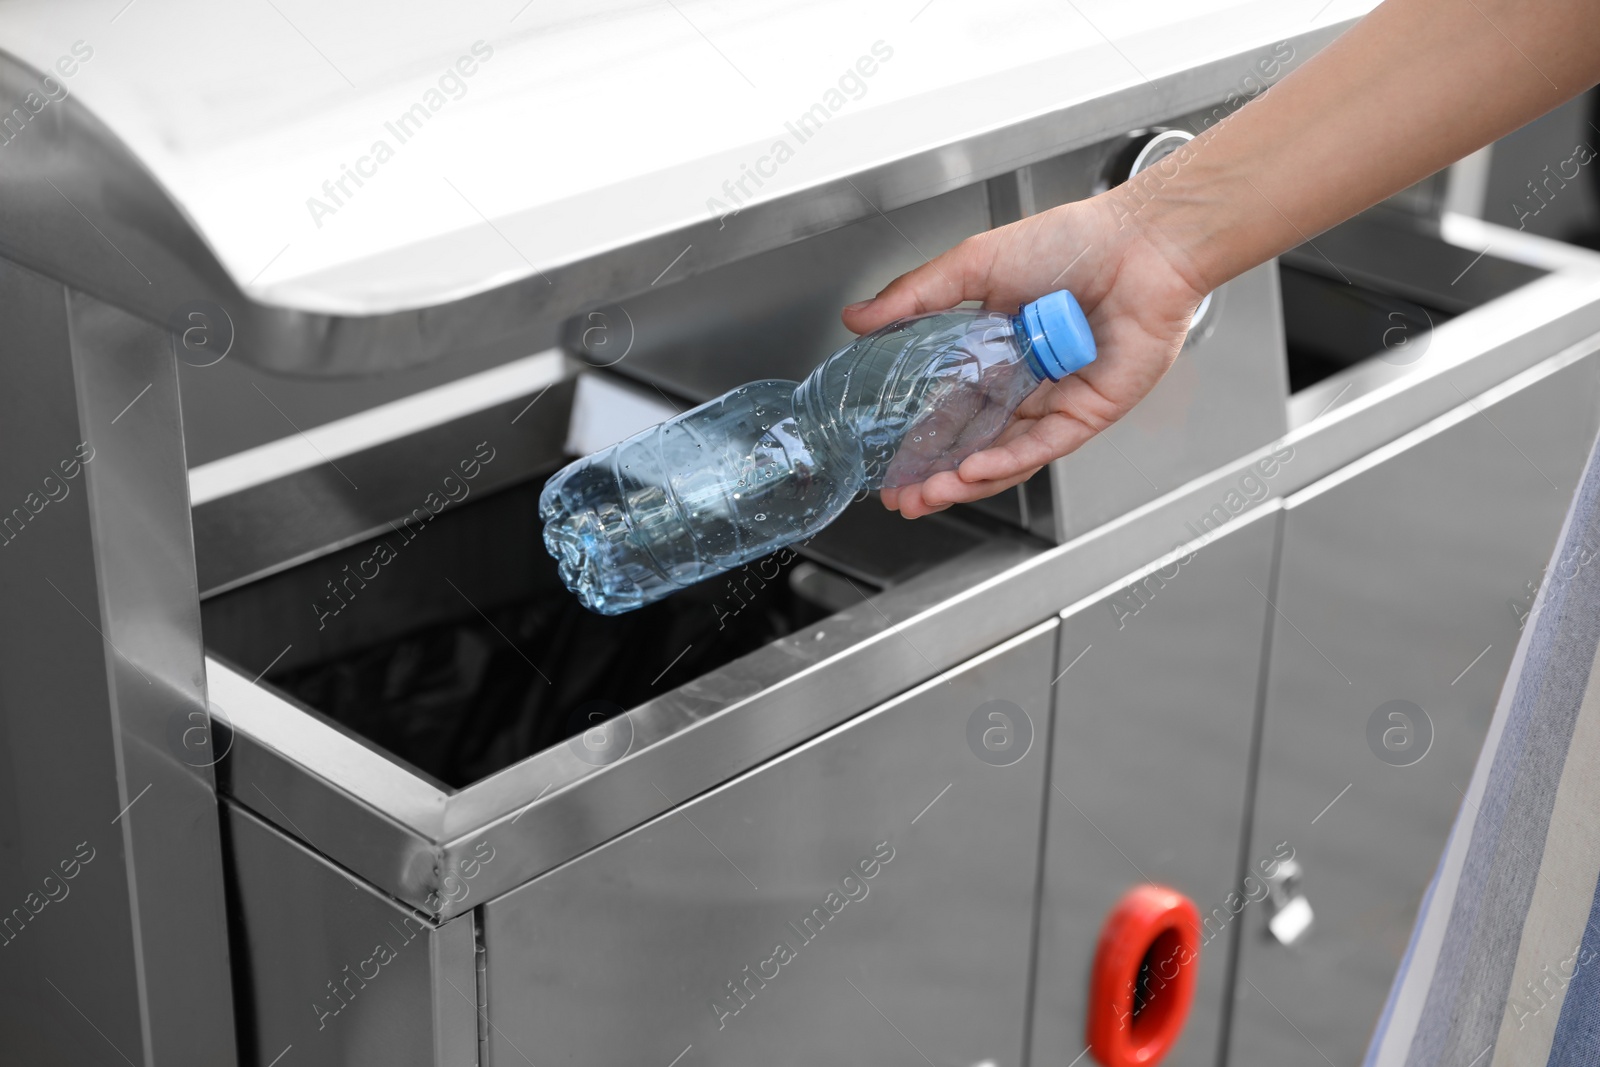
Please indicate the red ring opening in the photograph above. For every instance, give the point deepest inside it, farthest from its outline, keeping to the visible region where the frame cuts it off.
(1143, 978)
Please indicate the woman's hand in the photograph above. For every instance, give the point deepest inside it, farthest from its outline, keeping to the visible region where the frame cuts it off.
(1138, 300)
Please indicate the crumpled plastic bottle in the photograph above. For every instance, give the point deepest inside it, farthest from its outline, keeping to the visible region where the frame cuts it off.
(772, 462)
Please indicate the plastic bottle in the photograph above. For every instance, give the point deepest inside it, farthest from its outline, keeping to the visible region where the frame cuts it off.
(772, 462)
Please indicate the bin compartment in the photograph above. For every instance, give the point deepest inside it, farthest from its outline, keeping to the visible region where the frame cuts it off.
(1376, 286)
(448, 640)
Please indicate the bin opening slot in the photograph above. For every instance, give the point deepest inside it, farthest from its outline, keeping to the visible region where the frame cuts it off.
(457, 649)
(462, 653)
(1375, 288)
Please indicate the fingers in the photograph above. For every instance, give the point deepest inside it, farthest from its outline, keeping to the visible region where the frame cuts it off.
(1051, 437)
(895, 501)
(942, 282)
(946, 489)
(1023, 452)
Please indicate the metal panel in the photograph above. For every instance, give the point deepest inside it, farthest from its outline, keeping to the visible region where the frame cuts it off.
(668, 937)
(1223, 396)
(1154, 711)
(686, 339)
(339, 794)
(337, 972)
(1404, 578)
(270, 526)
(102, 701)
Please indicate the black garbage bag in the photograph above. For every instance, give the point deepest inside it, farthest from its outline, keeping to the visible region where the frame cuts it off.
(464, 699)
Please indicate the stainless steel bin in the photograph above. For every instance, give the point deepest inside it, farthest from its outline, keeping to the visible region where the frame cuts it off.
(922, 760)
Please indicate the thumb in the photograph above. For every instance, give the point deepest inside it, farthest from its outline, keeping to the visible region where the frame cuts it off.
(942, 282)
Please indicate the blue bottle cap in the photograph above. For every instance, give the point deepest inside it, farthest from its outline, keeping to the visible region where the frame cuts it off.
(1060, 335)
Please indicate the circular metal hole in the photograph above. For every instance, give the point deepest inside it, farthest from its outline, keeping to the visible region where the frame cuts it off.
(1157, 148)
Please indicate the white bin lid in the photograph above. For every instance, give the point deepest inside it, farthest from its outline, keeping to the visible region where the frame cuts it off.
(541, 134)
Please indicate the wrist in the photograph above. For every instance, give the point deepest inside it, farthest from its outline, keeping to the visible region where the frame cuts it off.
(1184, 216)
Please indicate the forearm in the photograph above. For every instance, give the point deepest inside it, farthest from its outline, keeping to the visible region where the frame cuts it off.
(1413, 87)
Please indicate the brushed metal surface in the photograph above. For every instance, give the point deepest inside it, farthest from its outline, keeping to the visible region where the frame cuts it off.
(1416, 262)
(773, 315)
(271, 525)
(102, 701)
(332, 973)
(1155, 705)
(663, 943)
(1402, 579)
(1426, 273)
(1224, 396)
(334, 791)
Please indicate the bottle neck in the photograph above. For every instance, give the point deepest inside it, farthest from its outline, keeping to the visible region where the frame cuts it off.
(1030, 358)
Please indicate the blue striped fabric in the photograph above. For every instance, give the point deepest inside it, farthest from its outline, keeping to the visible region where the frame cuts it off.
(1503, 968)
(1575, 1039)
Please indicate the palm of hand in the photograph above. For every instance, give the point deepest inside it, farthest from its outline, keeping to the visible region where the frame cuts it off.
(1137, 302)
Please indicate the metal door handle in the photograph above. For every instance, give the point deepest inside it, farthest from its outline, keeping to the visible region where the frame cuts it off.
(1288, 912)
